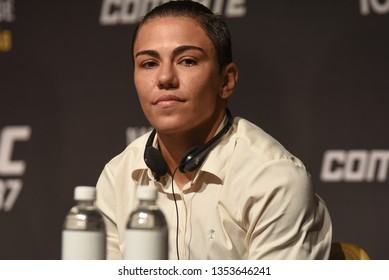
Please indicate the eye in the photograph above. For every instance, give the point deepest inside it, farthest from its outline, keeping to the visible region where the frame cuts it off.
(149, 64)
(188, 62)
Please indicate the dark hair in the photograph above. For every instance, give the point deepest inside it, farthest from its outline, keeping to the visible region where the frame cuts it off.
(214, 25)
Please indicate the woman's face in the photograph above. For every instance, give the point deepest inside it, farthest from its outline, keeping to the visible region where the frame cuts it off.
(176, 74)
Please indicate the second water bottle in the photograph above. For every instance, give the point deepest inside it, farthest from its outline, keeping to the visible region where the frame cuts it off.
(146, 235)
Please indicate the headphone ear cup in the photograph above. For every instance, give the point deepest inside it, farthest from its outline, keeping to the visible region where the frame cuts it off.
(196, 155)
(189, 162)
(155, 161)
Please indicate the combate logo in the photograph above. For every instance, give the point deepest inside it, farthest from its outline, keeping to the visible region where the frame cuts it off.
(355, 166)
(116, 12)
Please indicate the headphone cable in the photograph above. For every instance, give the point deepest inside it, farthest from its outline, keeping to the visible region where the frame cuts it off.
(177, 215)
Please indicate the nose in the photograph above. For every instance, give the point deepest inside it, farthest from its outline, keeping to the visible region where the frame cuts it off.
(167, 78)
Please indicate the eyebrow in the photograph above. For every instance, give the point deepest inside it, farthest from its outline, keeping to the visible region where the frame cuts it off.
(176, 51)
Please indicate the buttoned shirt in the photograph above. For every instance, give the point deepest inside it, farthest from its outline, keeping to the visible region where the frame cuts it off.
(250, 199)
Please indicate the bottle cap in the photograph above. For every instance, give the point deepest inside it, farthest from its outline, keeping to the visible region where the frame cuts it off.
(146, 193)
(85, 193)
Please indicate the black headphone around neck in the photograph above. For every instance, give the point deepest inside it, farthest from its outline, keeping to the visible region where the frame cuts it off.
(193, 158)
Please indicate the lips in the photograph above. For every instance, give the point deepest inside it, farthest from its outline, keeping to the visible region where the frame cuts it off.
(167, 99)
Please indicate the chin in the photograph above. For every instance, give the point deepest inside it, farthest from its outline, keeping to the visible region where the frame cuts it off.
(169, 124)
(169, 129)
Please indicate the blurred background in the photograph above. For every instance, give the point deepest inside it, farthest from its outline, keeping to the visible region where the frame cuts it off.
(313, 74)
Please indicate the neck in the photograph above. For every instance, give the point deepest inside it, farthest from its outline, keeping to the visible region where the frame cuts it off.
(175, 146)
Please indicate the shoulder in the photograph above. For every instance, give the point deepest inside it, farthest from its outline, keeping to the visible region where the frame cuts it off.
(260, 164)
(258, 143)
(266, 171)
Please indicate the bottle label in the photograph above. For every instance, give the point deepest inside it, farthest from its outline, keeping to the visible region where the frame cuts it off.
(83, 245)
(143, 244)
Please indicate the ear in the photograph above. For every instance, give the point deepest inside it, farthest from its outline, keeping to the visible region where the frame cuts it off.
(230, 79)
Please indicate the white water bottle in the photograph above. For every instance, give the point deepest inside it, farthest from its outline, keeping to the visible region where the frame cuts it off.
(83, 234)
(146, 235)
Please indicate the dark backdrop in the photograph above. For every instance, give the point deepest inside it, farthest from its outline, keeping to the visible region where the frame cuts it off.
(314, 74)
